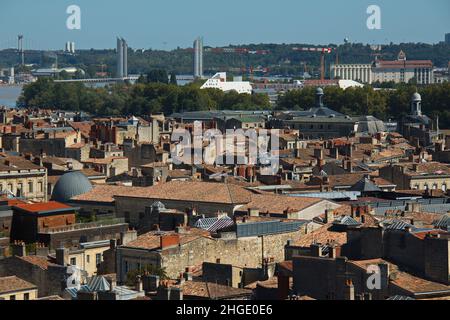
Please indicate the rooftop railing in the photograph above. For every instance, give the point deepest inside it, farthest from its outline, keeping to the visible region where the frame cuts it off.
(83, 226)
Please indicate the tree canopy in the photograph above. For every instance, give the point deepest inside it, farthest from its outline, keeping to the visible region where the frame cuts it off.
(142, 98)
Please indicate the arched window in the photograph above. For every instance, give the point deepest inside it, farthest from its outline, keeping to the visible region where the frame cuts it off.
(444, 187)
(435, 186)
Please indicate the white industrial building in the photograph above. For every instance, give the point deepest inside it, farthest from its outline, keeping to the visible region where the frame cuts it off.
(219, 81)
(355, 72)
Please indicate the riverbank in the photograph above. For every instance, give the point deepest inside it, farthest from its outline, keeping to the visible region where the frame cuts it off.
(9, 95)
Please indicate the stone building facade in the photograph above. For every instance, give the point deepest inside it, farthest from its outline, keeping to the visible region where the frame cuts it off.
(169, 252)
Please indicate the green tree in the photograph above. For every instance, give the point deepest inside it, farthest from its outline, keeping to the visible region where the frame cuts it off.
(149, 269)
(173, 78)
(158, 76)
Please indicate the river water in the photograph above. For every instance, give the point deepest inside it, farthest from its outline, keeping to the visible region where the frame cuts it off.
(9, 95)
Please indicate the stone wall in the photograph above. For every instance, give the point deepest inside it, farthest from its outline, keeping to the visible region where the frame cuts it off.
(243, 252)
(74, 237)
(437, 262)
(134, 209)
(49, 281)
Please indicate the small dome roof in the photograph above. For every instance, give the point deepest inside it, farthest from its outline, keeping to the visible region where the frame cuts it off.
(158, 205)
(70, 185)
(416, 97)
(319, 91)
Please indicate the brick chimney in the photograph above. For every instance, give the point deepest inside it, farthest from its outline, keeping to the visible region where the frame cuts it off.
(19, 249)
(348, 165)
(334, 153)
(316, 250)
(127, 236)
(42, 250)
(329, 216)
(335, 251)
(187, 275)
(318, 153)
(169, 240)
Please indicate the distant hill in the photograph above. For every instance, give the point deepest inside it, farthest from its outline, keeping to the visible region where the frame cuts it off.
(281, 59)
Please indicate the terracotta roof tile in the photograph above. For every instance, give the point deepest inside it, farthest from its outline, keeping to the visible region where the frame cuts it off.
(270, 203)
(211, 290)
(13, 283)
(195, 192)
(42, 207)
(152, 240)
(322, 235)
(39, 261)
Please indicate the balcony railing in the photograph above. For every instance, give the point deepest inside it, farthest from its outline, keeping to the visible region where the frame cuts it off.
(82, 226)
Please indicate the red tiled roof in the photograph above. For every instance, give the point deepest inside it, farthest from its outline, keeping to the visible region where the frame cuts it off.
(13, 283)
(405, 64)
(271, 203)
(39, 261)
(194, 192)
(152, 240)
(42, 207)
(322, 235)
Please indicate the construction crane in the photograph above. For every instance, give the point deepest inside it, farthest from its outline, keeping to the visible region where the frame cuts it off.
(251, 71)
(233, 50)
(322, 51)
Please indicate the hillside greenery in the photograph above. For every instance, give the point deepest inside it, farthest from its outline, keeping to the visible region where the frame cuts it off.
(281, 60)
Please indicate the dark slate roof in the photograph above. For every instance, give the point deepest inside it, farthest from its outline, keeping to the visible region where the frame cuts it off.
(98, 283)
(214, 224)
(325, 112)
(346, 221)
(443, 223)
(317, 112)
(71, 184)
(400, 298)
(365, 185)
(423, 119)
(370, 124)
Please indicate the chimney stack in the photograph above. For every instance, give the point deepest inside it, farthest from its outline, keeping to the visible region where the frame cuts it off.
(253, 212)
(316, 250)
(138, 284)
(349, 290)
(318, 154)
(62, 256)
(19, 249)
(187, 275)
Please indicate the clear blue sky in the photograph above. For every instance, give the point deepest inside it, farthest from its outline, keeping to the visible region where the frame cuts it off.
(166, 24)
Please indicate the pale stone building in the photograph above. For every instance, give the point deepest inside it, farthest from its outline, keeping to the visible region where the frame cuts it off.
(14, 288)
(398, 71)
